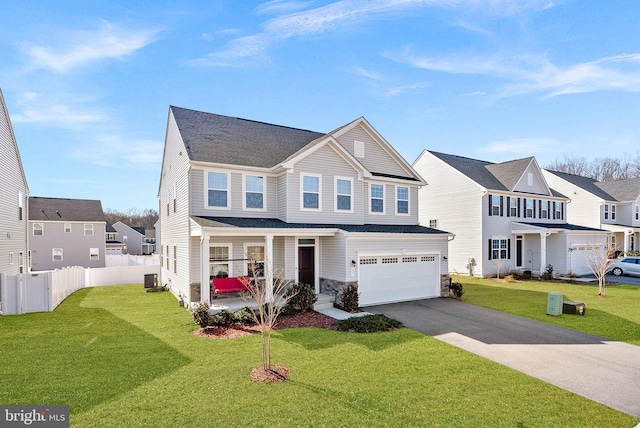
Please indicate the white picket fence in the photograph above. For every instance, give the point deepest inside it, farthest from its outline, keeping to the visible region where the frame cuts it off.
(112, 260)
(44, 291)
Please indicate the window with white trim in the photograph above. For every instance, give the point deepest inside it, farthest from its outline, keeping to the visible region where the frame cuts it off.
(377, 198)
(637, 212)
(529, 208)
(57, 254)
(344, 194)
(217, 189)
(219, 261)
(67, 228)
(498, 249)
(38, 229)
(558, 213)
(94, 254)
(495, 205)
(20, 205)
(613, 212)
(433, 223)
(606, 212)
(402, 200)
(254, 192)
(88, 229)
(513, 207)
(255, 260)
(544, 209)
(311, 192)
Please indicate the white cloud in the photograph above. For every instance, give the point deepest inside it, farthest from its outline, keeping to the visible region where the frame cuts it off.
(120, 152)
(109, 41)
(280, 6)
(398, 90)
(62, 116)
(542, 148)
(536, 73)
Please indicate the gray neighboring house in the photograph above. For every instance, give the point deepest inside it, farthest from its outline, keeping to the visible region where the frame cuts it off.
(13, 200)
(326, 209)
(66, 232)
(114, 245)
(135, 239)
(608, 205)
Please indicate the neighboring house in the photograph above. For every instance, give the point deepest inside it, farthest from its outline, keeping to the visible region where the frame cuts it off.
(134, 239)
(504, 217)
(13, 201)
(66, 232)
(608, 205)
(329, 210)
(113, 244)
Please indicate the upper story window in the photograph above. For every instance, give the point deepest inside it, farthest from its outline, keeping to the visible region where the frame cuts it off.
(88, 230)
(529, 208)
(613, 212)
(433, 223)
(544, 209)
(606, 212)
(344, 194)
(377, 198)
(495, 205)
(218, 189)
(38, 229)
(67, 228)
(20, 205)
(254, 192)
(311, 192)
(402, 200)
(637, 212)
(557, 210)
(513, 207)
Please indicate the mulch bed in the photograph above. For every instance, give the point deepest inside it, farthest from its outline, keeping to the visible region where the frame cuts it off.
(304, 319)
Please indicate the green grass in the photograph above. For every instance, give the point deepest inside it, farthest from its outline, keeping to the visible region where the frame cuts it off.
(121, 357)
(616, 316)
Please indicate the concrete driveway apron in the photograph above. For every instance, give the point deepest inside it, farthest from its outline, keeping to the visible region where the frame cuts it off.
(594, 367)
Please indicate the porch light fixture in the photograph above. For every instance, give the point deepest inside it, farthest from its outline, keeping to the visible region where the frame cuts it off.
(353, 262)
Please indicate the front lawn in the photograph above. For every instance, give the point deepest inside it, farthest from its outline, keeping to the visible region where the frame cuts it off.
(616, 316)
(122, 357)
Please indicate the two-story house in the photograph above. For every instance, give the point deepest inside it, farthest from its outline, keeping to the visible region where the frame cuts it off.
(13, 200)
(505, 217)
(66, 232)
(608, 205)
(134, 238)
(114, 246)
(327, 209)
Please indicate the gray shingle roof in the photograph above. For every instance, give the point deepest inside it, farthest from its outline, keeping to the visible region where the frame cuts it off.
(618, 190)
(564, 226)
(586, 183)
(272, 223)
(493, 176)
(59, 209)
(229, 140)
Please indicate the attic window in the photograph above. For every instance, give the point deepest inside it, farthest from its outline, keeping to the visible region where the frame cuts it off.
(358, 149)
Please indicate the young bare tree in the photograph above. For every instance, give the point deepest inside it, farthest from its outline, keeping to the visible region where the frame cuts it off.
(599, 261)
(497, 263)
(270, 299)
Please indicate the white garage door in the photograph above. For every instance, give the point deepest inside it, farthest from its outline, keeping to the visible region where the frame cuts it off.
(385, 279)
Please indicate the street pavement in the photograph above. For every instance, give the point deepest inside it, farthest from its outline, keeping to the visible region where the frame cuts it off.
(594, 367)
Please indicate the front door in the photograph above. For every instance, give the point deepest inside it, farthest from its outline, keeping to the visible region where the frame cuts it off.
(306, 265)
(518, 251)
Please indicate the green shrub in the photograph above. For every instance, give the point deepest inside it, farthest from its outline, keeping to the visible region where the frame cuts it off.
(303, 296)
(367, 324)
(223, 318)
(244, 316)
(349, 298)
(200, 314)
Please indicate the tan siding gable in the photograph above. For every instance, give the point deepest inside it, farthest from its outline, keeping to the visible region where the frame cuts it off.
(376, 158)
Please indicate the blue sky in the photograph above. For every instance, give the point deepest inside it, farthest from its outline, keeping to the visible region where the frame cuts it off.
(88, 84)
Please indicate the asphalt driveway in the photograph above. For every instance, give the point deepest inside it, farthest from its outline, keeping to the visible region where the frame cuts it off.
(597, 368)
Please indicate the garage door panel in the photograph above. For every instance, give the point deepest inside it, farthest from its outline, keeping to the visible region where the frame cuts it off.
(397, 278)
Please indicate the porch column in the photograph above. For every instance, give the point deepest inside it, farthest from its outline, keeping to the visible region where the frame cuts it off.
(543, 251)
(626, 240)
(205, 293)
(268, 264)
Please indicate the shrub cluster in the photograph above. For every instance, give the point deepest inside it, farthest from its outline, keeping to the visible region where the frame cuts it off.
(456, 290)
(303, 296)
(367, 324)
(223, 318)
(350, 298)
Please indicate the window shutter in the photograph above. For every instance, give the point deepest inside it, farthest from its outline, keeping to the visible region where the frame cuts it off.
(524, 206)
(501, 206)
(518, 207)
(561, 210)
(509, 248)
(534, 208)
(490, 206)
(554, 210)
(490, 249)
(508, 206)
(540, 208)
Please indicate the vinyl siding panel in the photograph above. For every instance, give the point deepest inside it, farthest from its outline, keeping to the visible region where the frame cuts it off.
(390, 201)
(376, 158)
(198, 181)
(334, 258)
(328, 164)
(456, 203)
(12, 183)
(175, 226)
(584, 209)
(281, 196)
(75, 246)
(537, 185)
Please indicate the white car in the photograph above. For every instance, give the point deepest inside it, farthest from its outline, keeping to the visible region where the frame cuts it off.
(626, 266)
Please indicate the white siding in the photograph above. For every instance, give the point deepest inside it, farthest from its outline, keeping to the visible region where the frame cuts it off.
(389, 216)
(583, 209)
(456, 203)
(376, 158)
(175, 226)
(13, 230)
(535, 186)
(334, 259)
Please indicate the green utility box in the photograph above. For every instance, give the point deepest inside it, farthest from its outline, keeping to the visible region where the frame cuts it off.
(554, 303)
